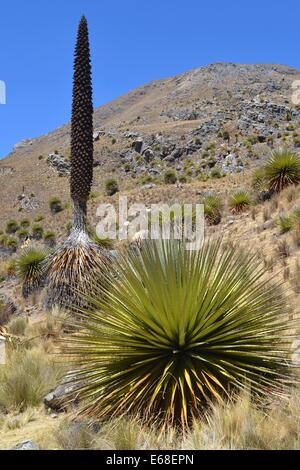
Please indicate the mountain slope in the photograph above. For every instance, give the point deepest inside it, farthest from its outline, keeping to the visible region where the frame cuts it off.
(177, 122)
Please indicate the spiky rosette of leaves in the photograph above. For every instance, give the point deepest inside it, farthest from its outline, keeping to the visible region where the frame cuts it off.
(71, 271)
(30, 269)
(213, 206)
(282, 170)
(177, 329)
(239, 201)
(82, 119)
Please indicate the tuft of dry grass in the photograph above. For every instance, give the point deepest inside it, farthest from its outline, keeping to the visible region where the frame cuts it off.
(17, 325)
(26, 378)
(244, 425)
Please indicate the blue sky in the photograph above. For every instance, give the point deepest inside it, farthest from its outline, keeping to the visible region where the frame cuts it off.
(133, 42)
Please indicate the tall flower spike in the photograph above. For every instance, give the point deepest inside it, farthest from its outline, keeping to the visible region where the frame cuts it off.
(81, 128)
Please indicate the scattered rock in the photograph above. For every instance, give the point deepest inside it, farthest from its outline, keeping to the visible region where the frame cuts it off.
(22, 144)
(56, 399)
(97, 134)
(130, 135)
(59, 163)
(148, 186)
(148, 155)
(267, 225)
(231, 164)
(6, 170)
(26, 445)
(137, 145)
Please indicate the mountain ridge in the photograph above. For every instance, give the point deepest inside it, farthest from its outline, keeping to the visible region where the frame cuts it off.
(181, 123)
(103, 113)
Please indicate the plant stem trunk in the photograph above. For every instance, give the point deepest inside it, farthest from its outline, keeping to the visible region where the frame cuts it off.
(80, 211)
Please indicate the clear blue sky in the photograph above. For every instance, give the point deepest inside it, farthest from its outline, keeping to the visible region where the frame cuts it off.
(133, 42)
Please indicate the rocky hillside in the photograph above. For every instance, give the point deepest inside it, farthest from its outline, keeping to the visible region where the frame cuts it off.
(204, 124)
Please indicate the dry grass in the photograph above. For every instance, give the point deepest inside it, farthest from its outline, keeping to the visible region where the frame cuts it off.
(26, 378)
(234, 425)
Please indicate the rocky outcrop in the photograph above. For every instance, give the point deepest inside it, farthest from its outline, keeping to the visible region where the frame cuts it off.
(27, 203)
(22, 144)
(59, 164)
(6, 170)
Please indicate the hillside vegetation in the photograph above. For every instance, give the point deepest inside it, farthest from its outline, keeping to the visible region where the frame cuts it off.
(207, 343)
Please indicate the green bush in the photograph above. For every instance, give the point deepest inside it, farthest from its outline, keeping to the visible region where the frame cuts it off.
(22, 233)
(37, 231)
(12, 243)
(182, 179)
(111, 187)
(11, 226)
(38, 218)
(285, 223)
(215, 173)
(55, 205)
(282, 170)
(170, 177)
(239, 201)
(3, 240)
(25, 223)
(49, 238)
(179, 328)
(226, 135)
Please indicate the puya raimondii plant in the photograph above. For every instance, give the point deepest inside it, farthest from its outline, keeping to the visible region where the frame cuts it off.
(176, 330)
(72, 265)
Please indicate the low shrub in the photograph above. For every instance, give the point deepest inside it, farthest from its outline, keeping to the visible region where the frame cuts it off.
(12, 244)
(22, 233)
(55, 205)
(38, 218)
(25, 223)
(170, 177)
(37, 231)
(216, 173)
(12, 226)
(111, 187)
(50, 239)
(285, 223)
